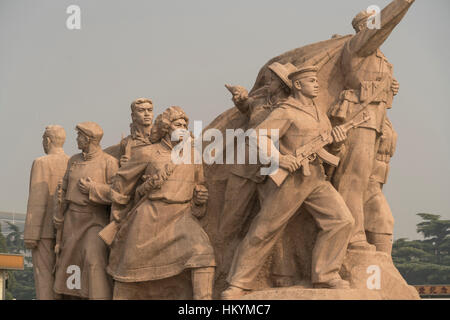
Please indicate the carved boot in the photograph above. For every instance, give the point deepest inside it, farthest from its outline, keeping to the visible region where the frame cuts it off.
(282, 281)
(333, 284)
(233, 293)
(202, 283)
(382, 241)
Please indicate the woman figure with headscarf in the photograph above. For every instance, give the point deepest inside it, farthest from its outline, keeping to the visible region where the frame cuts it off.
(159, 237)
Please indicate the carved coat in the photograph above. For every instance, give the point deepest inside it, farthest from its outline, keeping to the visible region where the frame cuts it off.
(45, 175)
(46, 172)
(160, 237)
(85, 216)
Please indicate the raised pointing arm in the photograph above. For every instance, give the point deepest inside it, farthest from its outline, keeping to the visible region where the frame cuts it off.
(367, 41)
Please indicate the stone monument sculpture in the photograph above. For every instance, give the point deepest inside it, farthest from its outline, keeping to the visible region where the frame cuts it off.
(84, 211)
(158, 237)
(311, 229)
(338, 69)
(39, 234)
(243, 178)
(299, 121)
(368, 83)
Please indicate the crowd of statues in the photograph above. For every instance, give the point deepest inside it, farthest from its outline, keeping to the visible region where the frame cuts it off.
(116, 223)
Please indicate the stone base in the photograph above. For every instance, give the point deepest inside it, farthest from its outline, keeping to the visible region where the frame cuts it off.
(300, 293)
(362, 268)
(372, 276)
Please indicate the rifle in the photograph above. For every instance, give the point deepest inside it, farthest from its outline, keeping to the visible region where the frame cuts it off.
(108, 233)
(309, 151)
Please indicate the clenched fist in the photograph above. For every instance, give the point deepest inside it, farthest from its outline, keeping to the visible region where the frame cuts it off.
(395, 86)
(338, 134)
(200, 194)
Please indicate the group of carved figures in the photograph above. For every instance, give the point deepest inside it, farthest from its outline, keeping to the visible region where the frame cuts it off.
(115, 223)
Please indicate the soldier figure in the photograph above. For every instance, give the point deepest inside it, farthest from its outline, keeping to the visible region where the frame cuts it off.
(299, 121)
(84, 212)
(369, 85)
(242, 182)
(39, 233)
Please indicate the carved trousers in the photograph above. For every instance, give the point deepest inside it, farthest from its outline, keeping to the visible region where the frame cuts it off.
(351, 178)
(326, 207)
(377, 212)
(43, 257)
(239, 194)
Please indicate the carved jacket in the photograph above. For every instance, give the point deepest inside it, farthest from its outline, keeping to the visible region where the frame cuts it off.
(46, 173)
(297, 124)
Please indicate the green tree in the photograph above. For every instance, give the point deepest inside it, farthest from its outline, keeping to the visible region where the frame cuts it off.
(14, 240)
(3, 246)
(436, 232)
(425, 261)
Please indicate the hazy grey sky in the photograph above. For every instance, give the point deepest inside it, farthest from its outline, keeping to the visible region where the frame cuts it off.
(182, 52)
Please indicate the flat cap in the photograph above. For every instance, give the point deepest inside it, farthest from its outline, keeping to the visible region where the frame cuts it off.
(91, 129)
(303, 72)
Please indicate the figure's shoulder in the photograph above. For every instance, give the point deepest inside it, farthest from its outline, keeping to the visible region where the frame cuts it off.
(76, 157)
(41, 163)
(58, 156)
(109, 158)
(114, 150)
(126, 140)
(287, 105)
(144, 151)
(157, 147)
(54, 160)
(41, 160)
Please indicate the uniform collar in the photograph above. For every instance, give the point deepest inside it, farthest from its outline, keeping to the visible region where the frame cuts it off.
(137, 135)
(91, 155)
(310, 109)
(56, 151)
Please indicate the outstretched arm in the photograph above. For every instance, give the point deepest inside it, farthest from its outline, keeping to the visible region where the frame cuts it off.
(368, 40)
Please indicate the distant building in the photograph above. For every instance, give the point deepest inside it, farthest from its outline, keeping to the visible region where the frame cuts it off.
(15, 218)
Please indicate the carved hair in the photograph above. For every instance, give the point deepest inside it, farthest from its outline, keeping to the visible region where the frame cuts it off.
(164, 120)
(56, 133)
(359, 19)
(138, 102)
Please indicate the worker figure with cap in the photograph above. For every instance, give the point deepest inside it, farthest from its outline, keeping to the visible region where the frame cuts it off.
(85, 211)
(243, 179)
(369, 85)
(39, 234)
(299, 121)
